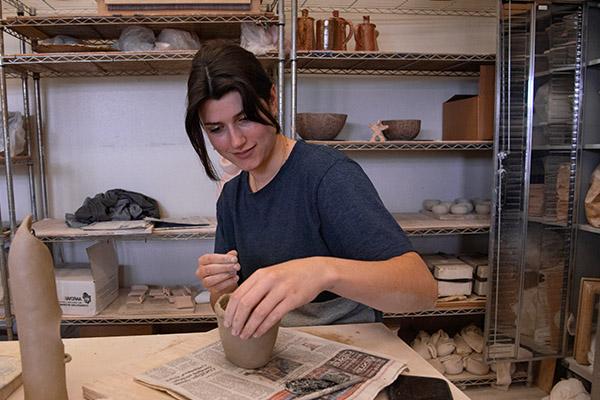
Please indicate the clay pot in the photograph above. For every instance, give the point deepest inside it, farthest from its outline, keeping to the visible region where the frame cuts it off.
(250, 353)
(305, 32)
(319, 126)
(402, 129)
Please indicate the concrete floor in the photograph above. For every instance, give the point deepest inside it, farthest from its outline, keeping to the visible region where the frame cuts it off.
(516, 391)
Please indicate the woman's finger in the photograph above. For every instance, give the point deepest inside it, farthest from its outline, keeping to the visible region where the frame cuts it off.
(210, 281)
(226, 284)
(213, 258)
(261, 313)
(274, 317)
(204, 271)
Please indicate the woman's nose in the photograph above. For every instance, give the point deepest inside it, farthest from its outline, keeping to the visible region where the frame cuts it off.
(237, 137)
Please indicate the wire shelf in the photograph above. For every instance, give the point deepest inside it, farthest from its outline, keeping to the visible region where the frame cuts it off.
(18, 160)
(408, 145)
(110, 27)
(589, 228)
(465, 379)
(405, 11)
(438, 313)
(113, 63)
(390, 63)
(414, 224)
(132, 320)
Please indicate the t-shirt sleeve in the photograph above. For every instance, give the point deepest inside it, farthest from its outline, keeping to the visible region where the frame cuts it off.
(224, 237)
(354, 221)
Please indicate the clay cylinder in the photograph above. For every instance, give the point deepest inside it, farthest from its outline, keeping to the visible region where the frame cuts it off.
(365, 36)
(305, 32)
(33, 290)
(250, 353)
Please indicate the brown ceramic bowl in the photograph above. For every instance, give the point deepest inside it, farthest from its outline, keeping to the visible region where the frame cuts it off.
(402, 129)
(319, 126)
(250, 353)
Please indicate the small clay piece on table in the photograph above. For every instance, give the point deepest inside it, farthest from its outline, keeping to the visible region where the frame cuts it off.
(250, 353)
(33, 288)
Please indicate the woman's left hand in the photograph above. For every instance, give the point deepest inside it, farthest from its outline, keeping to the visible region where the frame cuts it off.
(269, 293)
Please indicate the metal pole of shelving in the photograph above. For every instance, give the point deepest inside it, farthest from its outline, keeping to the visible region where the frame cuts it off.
(7, 153)
(6, 298)
(28, 130)
(8, 165)
(40, 143)
(281, 66)
(294, 67)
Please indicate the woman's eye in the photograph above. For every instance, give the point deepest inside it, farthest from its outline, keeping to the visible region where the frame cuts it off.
(215, 129)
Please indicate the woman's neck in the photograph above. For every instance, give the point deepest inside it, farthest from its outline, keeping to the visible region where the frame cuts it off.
(258, 179)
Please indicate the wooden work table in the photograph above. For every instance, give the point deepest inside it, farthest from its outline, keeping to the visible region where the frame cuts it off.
(93, 358)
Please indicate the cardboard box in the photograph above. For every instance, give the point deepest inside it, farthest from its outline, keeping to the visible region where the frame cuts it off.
(87, 289)
(471, 117)
(177, 7)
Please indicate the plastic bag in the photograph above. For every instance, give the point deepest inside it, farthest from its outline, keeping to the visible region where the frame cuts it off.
(16, 132)
(176, 39)
(136, 38)
(257, 39)
(592, 199)
(60, 39)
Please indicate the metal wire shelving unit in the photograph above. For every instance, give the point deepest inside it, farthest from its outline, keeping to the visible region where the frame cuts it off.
(95, 29)
(408, 145)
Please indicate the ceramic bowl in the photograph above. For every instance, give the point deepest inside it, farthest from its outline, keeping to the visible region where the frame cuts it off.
(250, 353)
(402, 129)
(319, 126)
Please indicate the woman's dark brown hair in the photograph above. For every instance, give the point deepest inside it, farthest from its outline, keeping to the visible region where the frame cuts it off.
(218, 68)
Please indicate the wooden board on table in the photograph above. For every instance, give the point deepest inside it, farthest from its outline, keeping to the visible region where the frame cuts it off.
(10, 375)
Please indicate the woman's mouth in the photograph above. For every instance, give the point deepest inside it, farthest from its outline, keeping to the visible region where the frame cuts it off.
(244, 154)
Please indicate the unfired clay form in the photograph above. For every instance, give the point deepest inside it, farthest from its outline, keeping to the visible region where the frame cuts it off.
(250, 353)
(33, 290)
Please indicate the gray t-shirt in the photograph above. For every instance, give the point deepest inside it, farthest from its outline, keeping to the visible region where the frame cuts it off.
(320, 203)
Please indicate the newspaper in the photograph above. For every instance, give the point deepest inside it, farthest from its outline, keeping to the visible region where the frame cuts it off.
(302, 366)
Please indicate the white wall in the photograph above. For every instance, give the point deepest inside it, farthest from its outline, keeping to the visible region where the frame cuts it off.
(106, 133)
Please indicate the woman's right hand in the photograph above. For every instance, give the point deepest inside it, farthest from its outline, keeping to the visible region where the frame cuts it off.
(218, 272)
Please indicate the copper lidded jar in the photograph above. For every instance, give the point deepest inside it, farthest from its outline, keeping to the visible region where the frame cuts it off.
(305, 32)
(331, 32)
(365, 35)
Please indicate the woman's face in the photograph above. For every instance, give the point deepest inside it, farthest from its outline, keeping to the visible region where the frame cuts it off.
(245, 143)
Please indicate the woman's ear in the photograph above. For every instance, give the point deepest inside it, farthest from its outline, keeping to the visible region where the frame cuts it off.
(273, 101)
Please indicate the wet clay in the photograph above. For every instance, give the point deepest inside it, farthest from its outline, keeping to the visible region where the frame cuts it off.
(250, 353)
(33, 290)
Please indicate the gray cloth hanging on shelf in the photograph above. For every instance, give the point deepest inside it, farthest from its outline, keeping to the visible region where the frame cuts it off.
(114, 205)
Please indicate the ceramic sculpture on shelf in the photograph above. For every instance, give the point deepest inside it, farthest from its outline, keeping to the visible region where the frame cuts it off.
(250, 353)
(377, 128)
(38, 315)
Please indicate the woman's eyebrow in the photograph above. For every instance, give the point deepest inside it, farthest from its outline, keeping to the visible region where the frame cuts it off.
(241, 113)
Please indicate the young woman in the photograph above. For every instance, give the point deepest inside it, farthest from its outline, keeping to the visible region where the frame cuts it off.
(302, 234)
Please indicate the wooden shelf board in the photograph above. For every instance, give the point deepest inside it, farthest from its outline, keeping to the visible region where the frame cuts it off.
(201, 311)
(589, 228)
(585, 371)
(56, 228)
(417, 221)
